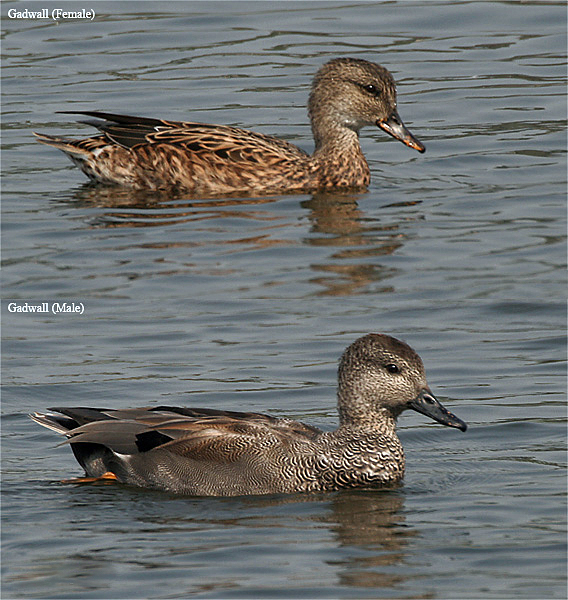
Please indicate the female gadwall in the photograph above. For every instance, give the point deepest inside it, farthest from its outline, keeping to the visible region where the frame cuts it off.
(221, 453)
(140, 153)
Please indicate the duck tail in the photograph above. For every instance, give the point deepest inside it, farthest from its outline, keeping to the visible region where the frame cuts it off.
(70, 147)
(56, 423)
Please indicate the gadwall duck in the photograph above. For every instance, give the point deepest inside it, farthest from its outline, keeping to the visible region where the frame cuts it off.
(141, 153)
(222, 453)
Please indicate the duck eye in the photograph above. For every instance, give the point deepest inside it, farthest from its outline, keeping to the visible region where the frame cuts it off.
(371, 89)
(392, 368)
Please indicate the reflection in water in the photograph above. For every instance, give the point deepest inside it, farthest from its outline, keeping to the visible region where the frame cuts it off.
(344, 226)
(336, 223)
(364, 533)
(140, 208)
(368, 520)
(373, 521)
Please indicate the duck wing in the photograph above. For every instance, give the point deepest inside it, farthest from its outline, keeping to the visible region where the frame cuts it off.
(182, 431)
(224, 142)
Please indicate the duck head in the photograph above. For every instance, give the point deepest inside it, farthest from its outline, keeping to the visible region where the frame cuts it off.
(379, 378)
(351, 93)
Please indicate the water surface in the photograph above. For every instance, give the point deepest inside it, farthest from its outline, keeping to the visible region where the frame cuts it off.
(246, 303)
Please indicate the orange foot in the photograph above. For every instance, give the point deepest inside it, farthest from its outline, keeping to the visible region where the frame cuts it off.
(107, 477)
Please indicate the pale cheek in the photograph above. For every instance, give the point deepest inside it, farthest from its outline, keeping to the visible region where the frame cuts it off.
(355, 124)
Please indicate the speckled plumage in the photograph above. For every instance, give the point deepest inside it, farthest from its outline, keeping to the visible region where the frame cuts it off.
(222, 453)
(347, 94)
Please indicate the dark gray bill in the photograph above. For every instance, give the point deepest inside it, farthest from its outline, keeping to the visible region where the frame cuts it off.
(427, 404)
(395, 127)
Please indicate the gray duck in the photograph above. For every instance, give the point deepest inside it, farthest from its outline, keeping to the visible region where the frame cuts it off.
(142, 153)
(210, 452)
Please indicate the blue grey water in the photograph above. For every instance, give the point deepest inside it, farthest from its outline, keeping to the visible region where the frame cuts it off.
(246, 303)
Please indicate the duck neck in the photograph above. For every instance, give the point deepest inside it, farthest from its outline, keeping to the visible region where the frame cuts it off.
(338, 159)
(380, 420)
(331, 136)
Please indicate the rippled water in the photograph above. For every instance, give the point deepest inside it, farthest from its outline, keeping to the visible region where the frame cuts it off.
(246, 303)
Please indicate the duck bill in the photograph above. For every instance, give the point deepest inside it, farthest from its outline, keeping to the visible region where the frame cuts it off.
(395, 127)
(427, 404)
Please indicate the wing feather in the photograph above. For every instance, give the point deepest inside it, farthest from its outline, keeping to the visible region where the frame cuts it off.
(227, 143)
(191, 432)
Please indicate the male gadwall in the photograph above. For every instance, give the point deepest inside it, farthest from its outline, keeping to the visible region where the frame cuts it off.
(222, 453)
(141, 153)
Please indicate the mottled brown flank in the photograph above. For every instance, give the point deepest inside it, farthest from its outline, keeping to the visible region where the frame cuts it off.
(222, 453)
(151, 154)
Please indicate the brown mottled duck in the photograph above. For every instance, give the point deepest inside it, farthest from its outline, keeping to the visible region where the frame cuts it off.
(141, 153)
